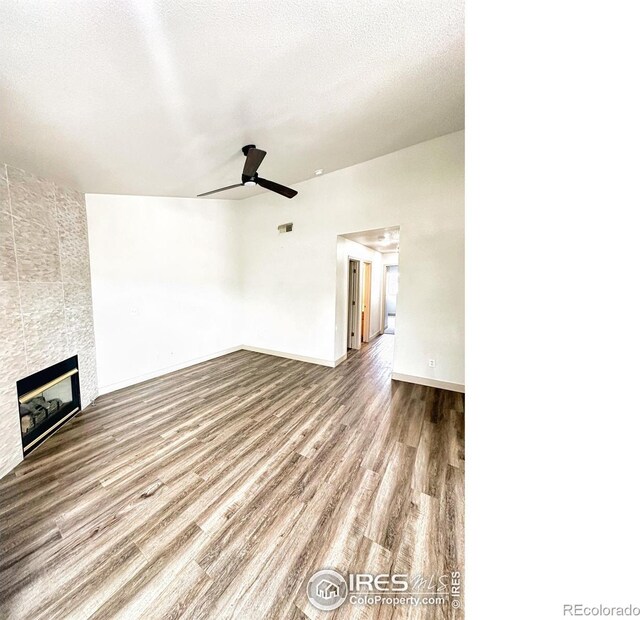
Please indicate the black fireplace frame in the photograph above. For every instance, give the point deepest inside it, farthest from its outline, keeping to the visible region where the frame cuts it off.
(35, 437)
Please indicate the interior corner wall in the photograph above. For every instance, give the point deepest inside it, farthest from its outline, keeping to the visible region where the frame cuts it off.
(166, 284)
(291, 279)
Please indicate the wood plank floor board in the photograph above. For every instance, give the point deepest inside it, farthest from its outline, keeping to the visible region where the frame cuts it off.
(84, 551)
(84, 592)
(217, 490)
(175, 599)
(139, 592)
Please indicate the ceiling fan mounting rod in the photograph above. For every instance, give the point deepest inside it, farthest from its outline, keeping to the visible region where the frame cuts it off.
(247, 148)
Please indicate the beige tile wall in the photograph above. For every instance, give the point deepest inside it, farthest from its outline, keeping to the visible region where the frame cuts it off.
(45, 292)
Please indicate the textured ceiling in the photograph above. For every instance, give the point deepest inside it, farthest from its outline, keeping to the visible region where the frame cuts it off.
(383, 240)
(157, 98)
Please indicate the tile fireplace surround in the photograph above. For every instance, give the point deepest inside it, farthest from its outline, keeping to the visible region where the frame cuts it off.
(45, 292)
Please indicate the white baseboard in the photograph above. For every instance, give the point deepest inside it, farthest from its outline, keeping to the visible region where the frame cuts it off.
(112, 387)
(436, 383)
(340, 360)
(293, 356)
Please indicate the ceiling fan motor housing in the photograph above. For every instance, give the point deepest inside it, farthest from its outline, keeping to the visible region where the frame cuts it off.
(249, 180)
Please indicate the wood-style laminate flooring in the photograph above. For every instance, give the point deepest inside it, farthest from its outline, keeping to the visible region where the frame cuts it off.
(217, 490)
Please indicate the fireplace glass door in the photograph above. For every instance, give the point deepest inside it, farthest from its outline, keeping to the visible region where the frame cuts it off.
(46, 400)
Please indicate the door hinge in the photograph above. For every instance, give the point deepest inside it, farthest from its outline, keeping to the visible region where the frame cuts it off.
(352, 334)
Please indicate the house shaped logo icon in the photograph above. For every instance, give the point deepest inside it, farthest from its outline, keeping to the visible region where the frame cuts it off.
(327, 590)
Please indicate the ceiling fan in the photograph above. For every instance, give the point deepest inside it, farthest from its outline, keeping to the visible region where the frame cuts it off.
(250, 176)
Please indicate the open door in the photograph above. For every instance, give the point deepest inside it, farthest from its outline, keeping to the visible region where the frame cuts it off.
(353, 332)
(366, 303)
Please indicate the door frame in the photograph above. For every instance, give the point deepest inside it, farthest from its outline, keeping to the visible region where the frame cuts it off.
(353, 309)
(366, 300)
(385, 277)
(383, 300)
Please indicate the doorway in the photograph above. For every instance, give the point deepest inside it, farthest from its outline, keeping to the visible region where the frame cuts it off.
(361, 309)
(390, 298)
(354, 305)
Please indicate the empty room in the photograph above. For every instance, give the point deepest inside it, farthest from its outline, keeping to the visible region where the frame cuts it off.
(232, 309)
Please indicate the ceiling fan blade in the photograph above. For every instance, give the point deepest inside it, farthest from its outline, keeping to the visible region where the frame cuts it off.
(254, 159)
(276, 187)
(222, 189)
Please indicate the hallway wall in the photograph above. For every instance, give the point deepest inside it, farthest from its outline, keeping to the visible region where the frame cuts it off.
(346, 249)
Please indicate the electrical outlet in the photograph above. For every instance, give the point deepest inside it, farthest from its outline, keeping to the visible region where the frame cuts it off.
(432, 363)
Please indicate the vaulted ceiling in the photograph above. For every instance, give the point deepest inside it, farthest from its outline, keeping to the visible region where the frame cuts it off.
(157, 98)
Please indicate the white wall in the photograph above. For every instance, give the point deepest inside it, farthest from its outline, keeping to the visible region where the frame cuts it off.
(292, 278)
(165, 282)
(390, 258)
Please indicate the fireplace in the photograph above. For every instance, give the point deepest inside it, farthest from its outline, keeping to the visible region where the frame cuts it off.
(48, 399)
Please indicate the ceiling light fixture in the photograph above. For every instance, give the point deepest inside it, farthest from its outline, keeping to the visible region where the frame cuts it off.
(319, 171)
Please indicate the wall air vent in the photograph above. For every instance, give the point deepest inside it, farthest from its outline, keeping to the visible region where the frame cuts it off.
(283, 228)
